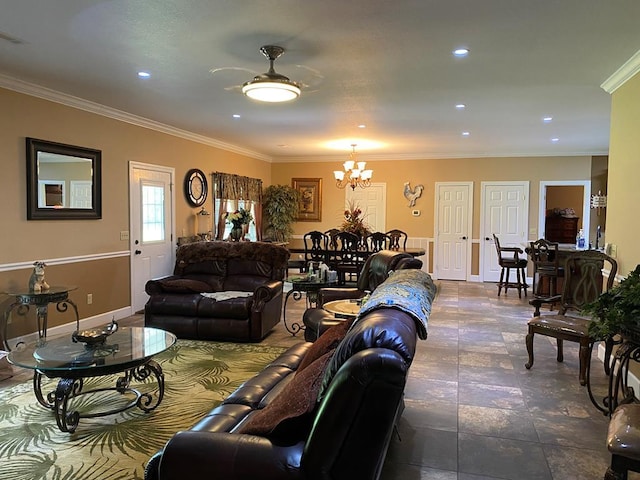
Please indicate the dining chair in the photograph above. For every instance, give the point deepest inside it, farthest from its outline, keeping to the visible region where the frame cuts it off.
(347, 257)
(398, 240)
(546, 265)
(331, 233)
(316, 245)
(583, 283)
(377, 241)
(509, 258)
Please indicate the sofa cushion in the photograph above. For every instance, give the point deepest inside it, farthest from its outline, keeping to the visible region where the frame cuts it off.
(185, 285)
(284, 416)
(328, 341)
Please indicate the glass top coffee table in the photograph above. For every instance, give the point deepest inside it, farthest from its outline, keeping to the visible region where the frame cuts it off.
(310, 288)
(128, 351)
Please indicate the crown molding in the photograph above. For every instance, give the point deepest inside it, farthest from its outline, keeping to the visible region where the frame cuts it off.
(45, 93)
(624, 73)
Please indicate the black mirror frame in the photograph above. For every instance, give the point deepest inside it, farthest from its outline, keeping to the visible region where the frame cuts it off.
(33, 212)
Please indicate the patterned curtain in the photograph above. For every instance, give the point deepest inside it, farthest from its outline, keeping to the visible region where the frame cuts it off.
(229, 189)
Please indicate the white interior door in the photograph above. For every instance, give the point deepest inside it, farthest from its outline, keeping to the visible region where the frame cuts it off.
(152, 226)
(372, 201)
(505, 212)
(454, 204)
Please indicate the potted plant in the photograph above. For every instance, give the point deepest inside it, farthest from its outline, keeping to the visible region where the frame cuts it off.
(617, 311)
(280, 208)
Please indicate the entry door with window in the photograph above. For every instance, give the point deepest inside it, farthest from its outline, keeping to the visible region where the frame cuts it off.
(505, 212)
(151, 230)
(453, 235)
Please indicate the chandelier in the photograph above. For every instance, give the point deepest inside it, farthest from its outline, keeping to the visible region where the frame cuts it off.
(354, 173)
(271, 86)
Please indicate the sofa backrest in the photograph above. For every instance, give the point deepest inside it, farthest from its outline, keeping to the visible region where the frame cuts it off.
(360, 397)
(224, 259)
(377, 267)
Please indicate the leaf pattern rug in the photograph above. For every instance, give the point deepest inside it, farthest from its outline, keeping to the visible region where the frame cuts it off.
(198, 376)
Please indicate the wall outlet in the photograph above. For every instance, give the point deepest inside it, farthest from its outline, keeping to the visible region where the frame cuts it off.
(613, 250)
(124, 235)
(89, 298)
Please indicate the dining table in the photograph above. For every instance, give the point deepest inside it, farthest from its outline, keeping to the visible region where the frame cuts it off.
(296, 247)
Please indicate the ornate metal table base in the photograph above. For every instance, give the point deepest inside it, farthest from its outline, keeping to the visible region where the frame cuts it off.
(310, 288)
(619, 392)
(68, 388)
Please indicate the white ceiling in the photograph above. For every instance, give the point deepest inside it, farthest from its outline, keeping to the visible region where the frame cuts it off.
(386, 64)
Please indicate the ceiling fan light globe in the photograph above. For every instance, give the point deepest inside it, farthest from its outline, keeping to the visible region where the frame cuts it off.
(271, 91)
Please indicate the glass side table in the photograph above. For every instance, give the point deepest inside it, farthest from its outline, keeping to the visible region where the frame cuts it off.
(23, 299)
(310, 289)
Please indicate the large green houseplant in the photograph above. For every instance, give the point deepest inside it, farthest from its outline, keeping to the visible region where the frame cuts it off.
(280, 208)
(618, 310)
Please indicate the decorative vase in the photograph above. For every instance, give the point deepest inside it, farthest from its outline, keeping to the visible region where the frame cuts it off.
(236, 233)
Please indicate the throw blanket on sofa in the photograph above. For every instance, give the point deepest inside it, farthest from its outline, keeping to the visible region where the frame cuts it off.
(227, 295)
(411, 291)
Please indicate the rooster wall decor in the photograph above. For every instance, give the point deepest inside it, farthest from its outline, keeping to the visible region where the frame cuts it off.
(412, 195)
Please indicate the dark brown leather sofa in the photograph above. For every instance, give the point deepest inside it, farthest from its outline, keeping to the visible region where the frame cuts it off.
(347, 431)
(176, 304)
(375, 271)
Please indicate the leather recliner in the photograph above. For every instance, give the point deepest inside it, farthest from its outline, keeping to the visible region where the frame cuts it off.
(375, 271)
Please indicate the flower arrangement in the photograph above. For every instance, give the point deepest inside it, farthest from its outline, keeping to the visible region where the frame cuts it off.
(353, 222)
(239, 217)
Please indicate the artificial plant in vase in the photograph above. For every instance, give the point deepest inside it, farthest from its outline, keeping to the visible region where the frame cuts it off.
(280, 209)
(238, 219)
(618, 310)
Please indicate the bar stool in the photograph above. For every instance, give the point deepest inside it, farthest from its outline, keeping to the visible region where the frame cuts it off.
(507, 262)
(545, 258)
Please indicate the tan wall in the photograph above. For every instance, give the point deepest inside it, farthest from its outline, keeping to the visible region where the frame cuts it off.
(427, 172)
(623, 229)
(26, 241)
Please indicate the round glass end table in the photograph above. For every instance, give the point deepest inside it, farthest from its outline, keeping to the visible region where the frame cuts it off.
(310, 288)
(41, 300)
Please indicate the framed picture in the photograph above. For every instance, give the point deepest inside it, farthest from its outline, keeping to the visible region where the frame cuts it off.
(310, 190)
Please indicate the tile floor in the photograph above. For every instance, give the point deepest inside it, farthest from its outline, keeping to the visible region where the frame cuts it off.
(473, 412)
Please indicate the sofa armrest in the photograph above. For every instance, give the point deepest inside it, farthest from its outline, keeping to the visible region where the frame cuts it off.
(154, 285)
(265, 293)
(329, 294)
(228, 456)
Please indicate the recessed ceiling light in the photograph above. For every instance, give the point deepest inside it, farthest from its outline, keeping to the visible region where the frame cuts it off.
(555, 139)
(362, 125)
(547, 119)
(461, 52)
(465, 134)
(461, 106)
(236, 115)
(144, 74)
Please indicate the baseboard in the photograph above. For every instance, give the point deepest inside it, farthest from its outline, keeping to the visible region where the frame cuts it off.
(68, 328)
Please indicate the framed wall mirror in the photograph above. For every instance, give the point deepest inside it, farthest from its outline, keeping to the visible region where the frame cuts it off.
(63, 181)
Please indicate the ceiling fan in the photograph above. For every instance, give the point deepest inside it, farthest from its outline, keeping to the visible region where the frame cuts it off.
(271, 86)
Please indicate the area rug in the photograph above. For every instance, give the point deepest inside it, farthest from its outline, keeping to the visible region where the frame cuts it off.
(198, 376)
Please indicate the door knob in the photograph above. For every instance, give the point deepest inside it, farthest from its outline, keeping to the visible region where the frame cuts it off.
(464, 238)
(487, 238)
(138, 252)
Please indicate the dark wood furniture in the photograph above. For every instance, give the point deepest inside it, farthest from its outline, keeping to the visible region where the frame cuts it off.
(583, 283)
(508, 259)
(561, 229)
(546, 267)
(398, 239)
(377, 241)
(348, 256)
(623, 442)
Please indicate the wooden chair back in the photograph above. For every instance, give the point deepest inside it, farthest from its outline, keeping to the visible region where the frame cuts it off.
(398, 240)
